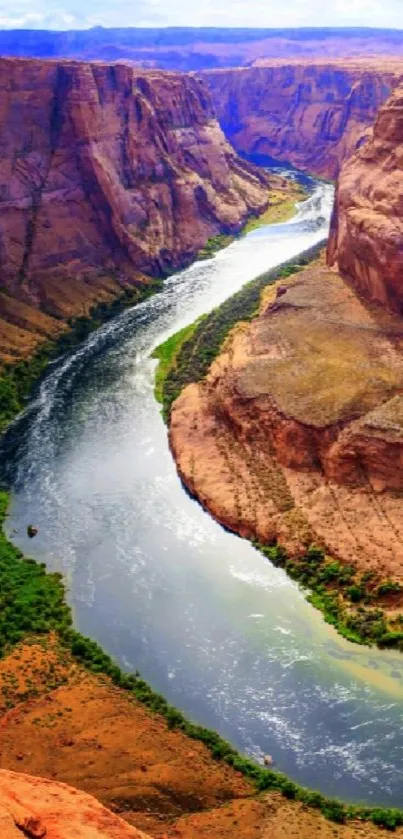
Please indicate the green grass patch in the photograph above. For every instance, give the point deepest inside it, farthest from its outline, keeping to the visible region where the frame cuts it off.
(166, 353)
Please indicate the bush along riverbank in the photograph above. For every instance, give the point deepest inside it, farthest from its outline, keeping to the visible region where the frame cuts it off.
(33, 606)
(282, 207)
(18, 380)
(356, 604)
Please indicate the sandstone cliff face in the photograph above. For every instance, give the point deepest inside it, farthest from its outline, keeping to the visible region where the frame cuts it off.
(366, 238)
(296, 434)
(37, 808)
(108, 174)
(312, 114)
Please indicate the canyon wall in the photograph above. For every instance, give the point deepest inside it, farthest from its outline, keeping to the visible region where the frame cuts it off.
(296, 433)
(312, 114)
(366, 239)
(107, 174)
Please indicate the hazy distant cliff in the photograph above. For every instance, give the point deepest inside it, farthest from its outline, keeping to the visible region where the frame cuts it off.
(312, 114)
(107, 173)
(366, 238)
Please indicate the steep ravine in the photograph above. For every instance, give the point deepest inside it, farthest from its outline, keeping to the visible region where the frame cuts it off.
(312, 113)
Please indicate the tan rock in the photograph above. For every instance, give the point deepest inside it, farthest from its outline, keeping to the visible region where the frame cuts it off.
(43, 809)
(296, 433)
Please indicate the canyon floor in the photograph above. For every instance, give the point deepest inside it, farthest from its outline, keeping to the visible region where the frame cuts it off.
(64, 724)
(296, 433)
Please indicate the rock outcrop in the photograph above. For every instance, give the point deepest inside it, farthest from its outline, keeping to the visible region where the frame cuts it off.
(296, 434)
(42, 809)
(366, 239)
(312, 114)
(107, 174)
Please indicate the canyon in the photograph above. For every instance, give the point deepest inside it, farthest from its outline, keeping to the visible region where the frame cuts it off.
(117, 175)
(295, 436)
(112, 176)
(312, 114)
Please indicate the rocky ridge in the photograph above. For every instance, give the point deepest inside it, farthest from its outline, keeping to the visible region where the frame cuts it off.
(366, 237)
(108, 175)
(310, 113)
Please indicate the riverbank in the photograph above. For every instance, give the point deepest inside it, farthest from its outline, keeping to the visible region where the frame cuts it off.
(363, 602)
(282, 208)
(38, 641)
(18, 379)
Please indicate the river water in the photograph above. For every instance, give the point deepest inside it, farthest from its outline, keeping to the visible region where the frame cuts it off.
(163, 588)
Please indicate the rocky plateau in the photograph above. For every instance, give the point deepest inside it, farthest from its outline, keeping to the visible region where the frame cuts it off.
(296, 434)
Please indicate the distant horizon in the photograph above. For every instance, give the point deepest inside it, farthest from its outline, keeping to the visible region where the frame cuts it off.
(216, 27)
(74, 15)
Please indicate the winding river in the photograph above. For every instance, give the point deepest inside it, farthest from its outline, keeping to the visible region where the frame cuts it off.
(206, 620)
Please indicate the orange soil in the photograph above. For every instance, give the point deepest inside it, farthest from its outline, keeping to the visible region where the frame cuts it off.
(70, 726)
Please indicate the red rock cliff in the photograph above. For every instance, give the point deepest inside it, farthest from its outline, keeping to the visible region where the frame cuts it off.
(107, 173)
(312, 114)
(366, 238)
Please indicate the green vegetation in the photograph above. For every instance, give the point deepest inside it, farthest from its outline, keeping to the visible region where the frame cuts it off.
(195, 353)
(214, 244)
(281, 208)
(17, 380)
(167, 354)
(31, 601)
(33, 604)
(334, 589)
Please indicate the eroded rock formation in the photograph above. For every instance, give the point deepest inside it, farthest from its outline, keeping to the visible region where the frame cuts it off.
(42, 809)
(296, 434)
(366, 239)
(107, 174)
(312, 114)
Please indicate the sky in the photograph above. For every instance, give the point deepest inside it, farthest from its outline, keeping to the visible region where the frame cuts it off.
(82, 14)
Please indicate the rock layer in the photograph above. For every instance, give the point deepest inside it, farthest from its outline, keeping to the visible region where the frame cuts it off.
(108, 174)
(296, 434)
(366, 239)
(312, 114)
(38, 808)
